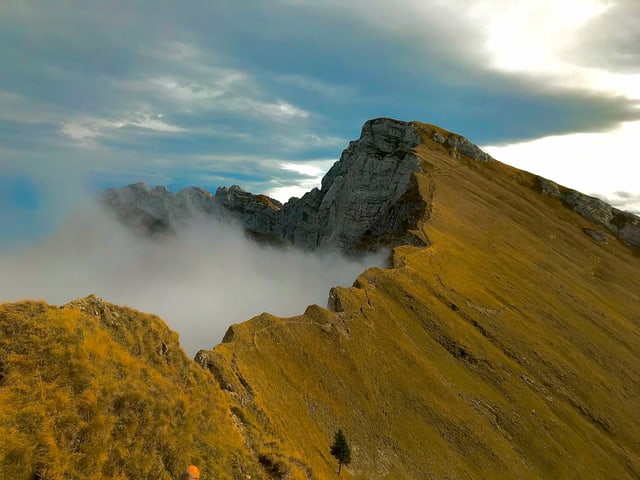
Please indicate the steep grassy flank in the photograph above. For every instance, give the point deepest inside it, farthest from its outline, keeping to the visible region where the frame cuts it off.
(509, 348)
(103, 392)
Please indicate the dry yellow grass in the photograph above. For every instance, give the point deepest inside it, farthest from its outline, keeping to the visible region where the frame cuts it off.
(104, 392)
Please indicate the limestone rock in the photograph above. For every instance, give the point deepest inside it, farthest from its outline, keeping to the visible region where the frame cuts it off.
(549, 188)
(194, 200)
(597, 235)
(458, 144)
(628, 229)
(143, 210)
(258, 214)
(624, 225)
(157, 211)
(591, 208)
(367, 200)
(351, 210)
(461, 144)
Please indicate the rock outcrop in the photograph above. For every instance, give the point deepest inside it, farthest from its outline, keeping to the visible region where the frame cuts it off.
(461, 145)
(623, 225)
(351, 210)
(157, 210)
(259, 215)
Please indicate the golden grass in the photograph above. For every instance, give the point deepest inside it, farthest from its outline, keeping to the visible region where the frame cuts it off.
(107, 396)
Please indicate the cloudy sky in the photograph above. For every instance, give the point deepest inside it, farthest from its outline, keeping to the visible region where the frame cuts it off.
(266, 94)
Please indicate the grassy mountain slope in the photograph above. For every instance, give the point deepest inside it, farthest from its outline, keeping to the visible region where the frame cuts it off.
(506, 349)
(97, 391)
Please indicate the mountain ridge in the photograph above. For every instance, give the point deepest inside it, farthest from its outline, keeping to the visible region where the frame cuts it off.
(503, 345)
(505, 349)
(358, 207)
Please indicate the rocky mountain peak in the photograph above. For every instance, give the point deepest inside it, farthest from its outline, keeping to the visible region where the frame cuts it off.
(376, 195)
(350, 212)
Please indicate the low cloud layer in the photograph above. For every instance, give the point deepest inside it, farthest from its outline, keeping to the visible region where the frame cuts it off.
(200, 281)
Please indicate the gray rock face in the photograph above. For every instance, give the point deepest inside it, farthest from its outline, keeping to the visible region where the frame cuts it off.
(258, 214)
(192, 201)
(461, 145)
(591, 208)
(549, 188)
(146, 211)
(628, 229)
(597, 236)
(367, 200)
(158, 211)
(351, 211)
(624, 225)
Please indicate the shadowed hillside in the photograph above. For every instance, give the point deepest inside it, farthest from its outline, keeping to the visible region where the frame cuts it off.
(506, 346)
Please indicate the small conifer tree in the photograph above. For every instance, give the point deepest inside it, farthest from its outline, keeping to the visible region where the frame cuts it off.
(340, 450)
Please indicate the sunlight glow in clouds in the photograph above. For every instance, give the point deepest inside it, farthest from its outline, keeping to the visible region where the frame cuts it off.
(524, 35)
(540, 38)
(543, 40)
(305, 169)
(593, 163)
(85, 129)
(314, 171)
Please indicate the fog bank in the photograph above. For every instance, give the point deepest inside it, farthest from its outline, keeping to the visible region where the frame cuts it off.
(199, 281)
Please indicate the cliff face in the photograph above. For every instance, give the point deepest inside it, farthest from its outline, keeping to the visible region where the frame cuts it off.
(158, 211)
(352, 209)
(368, 199)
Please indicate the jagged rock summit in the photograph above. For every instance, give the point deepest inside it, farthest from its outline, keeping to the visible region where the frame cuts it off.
(377, 195)
(367, 200)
